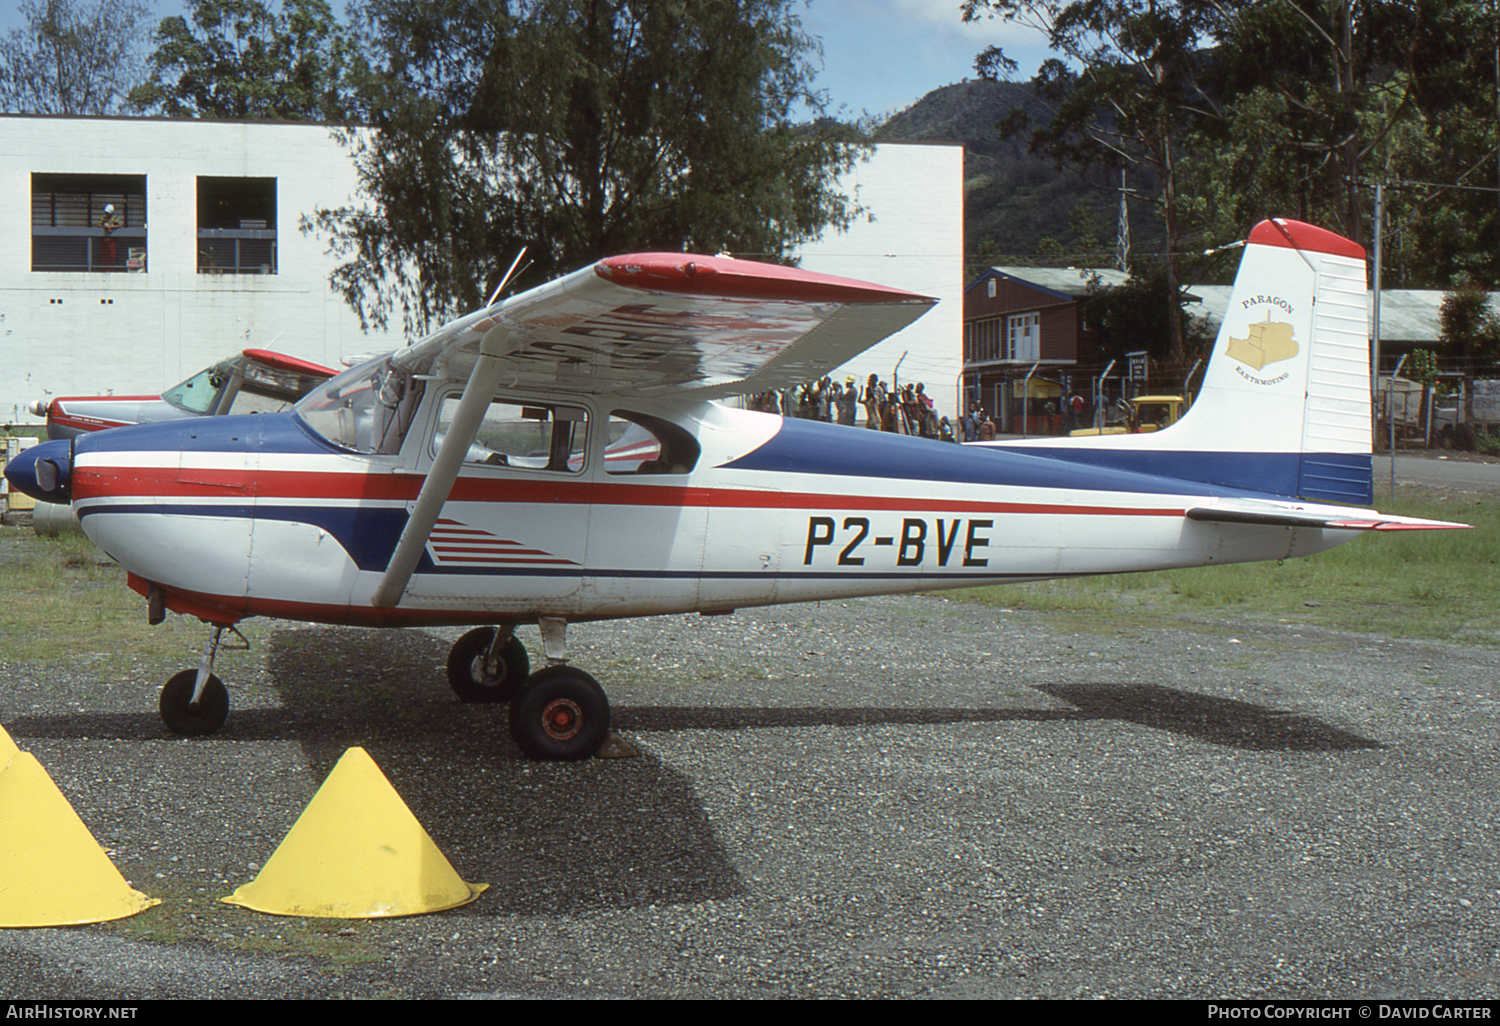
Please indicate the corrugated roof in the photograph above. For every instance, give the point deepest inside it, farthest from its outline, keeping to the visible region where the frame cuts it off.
(1065, 281)
(1406, 315)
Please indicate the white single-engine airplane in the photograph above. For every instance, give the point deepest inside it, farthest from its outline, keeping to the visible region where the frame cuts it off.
(558, 457)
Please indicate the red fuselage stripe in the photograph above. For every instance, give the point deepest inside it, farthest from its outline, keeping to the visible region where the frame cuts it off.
(311, 487)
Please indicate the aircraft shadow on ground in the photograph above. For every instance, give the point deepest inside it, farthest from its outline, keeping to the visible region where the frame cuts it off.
(1220, 721)
(548, 838)
(557, 838)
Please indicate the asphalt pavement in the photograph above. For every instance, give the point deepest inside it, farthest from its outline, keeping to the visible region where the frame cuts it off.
(889, 798)
(1462, 472)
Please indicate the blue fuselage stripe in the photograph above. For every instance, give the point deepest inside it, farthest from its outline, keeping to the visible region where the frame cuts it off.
(808, 447)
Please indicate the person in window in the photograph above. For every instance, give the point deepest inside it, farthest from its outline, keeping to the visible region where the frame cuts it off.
(108, 247)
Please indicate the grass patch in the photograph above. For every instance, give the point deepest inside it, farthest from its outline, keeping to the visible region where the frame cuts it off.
(60, 597)
(197, 918)
(1427, 584)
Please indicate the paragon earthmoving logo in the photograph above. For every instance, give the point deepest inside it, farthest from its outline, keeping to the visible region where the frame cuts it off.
(1265, 342)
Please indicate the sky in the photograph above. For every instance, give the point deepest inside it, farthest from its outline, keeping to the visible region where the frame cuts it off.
(879, 56)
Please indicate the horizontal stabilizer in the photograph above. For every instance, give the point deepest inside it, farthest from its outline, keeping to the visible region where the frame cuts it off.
(1272, 514)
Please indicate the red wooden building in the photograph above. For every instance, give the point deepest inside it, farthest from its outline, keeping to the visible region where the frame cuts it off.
(1022, 331)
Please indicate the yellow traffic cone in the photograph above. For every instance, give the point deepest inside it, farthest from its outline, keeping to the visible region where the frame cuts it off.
(356, 852)
(8, 749)
(52, 871)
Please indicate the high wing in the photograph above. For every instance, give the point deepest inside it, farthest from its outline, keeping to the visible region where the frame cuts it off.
(642, 324)
(649, 323)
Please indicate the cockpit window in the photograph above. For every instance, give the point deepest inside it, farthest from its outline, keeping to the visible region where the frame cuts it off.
(642, 444)
(368, 408)
(267, 389)
(198, 392)
(530, 436)
(241, 385)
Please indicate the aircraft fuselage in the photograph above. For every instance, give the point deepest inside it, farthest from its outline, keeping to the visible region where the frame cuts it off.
(283, 523)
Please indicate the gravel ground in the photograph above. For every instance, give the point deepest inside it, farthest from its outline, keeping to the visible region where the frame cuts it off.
(882, 798)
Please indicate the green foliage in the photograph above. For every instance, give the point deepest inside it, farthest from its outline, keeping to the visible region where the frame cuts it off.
(1249, 109)
(1486, 444)
(1469, 327)
(1135, 316)
(1421, 367)
(71, 58)
(1321, 99)
(1086, 230)
(239, 59)
(578, 128)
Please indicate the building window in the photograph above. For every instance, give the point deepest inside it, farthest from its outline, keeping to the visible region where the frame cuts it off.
(88, 222)
(1024, 341)
(982, 340)
(236, 225)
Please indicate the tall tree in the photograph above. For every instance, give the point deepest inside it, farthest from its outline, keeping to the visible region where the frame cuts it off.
(578, 128)
(1133, 316)
(241, 59)
(1123, 92)
(1323, 98)
(72, 57)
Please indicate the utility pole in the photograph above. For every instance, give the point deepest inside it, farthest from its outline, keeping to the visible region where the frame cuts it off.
(1122, 238)
(1375, 299)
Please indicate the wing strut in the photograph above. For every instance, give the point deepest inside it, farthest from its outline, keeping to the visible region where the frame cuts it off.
(480, 389)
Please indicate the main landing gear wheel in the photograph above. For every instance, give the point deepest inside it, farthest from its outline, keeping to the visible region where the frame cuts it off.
(183, 717)
(477, 679)
(559, 714)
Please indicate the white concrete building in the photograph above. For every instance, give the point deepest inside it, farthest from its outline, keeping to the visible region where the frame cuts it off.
(205, 256)
(910, 236)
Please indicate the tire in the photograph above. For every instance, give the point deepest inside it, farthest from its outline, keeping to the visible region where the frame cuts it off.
(470, 679)
(561, 714)
(189, 720)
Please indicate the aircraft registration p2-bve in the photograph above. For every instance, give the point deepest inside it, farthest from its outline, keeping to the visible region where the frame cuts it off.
(559, 457)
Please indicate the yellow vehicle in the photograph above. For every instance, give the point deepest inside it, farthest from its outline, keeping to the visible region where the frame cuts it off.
(1146, 413)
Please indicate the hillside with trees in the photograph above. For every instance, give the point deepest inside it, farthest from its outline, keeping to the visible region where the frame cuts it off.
(1020, 209)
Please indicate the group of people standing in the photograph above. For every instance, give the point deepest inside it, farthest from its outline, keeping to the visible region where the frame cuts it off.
(908, 411)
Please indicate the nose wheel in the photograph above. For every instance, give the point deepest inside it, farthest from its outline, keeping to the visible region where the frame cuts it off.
(195, 702)
(184, 716)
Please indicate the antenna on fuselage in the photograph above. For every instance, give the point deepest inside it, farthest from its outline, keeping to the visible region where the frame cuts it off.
(506, 280)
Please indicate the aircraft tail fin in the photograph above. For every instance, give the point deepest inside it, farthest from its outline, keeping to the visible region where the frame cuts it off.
(1289, 374)
(1285, 404)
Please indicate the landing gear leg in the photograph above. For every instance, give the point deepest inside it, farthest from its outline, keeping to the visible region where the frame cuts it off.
(560, 713)
(195, 702)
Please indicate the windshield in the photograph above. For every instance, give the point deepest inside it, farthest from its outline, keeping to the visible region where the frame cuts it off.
(198, 392)
(367, 408)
